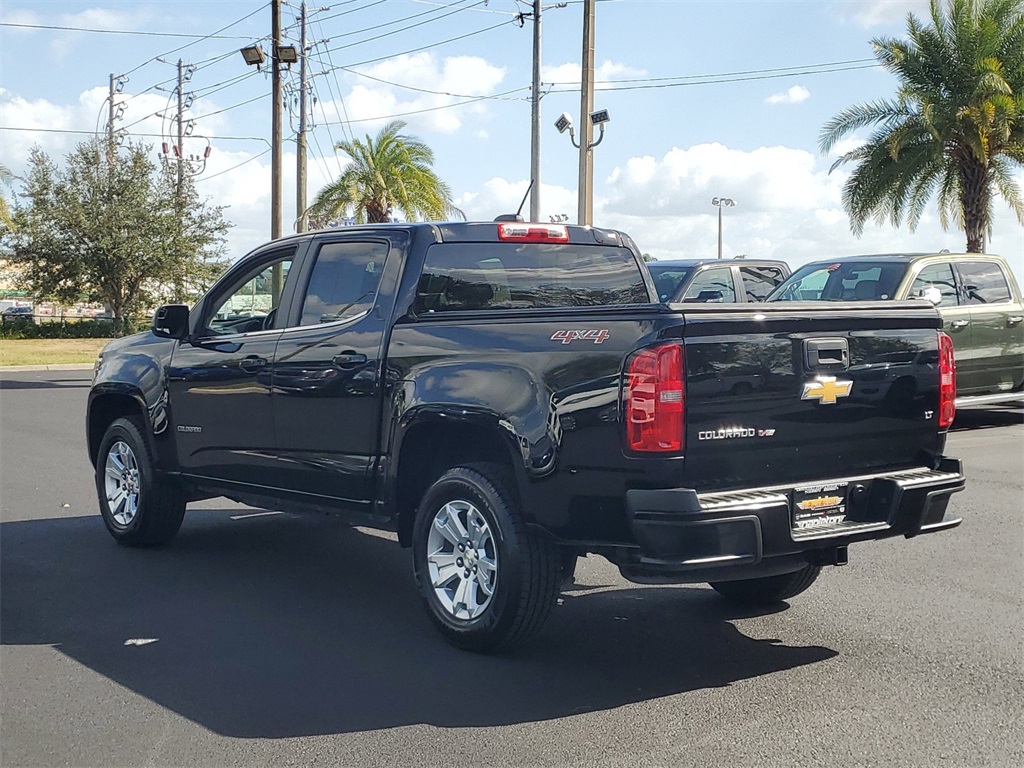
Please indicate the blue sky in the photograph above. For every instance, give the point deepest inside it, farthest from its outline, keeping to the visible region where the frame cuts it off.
(707, 99)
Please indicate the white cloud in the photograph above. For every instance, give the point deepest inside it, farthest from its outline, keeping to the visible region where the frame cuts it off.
(433, 86)
(794, 95)
(568, 75)
(872, 13)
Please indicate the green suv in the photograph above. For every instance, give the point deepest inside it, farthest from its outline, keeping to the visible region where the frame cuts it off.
(976, 294)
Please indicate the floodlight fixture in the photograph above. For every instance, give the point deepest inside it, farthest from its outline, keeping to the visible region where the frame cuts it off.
(563, 122)
(600, 117)
(287, 54)
(253, 55)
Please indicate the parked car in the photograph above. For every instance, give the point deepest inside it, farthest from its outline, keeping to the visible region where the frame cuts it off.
(716, 281)
(976, 294)
(507, 397)
(15, 312)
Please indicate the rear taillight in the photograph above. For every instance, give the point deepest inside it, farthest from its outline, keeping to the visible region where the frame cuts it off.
(947, 382)
(654, 400)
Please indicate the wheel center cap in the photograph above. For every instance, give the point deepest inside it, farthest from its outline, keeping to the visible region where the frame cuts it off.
(470, 556)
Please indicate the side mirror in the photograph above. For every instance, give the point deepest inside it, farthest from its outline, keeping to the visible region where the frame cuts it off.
(932, 294)
(171, 321)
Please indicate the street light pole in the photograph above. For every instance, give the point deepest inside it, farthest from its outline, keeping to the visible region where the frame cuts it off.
(300, 139)
(585, 212)
(275, 130)
(721, 202)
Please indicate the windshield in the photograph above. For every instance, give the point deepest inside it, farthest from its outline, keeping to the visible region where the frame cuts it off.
(842, 281)
(667, 279)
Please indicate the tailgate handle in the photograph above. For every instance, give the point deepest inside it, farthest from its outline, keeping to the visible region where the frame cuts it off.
(830, 354)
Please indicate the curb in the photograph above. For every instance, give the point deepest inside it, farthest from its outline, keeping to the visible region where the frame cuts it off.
(54, 367)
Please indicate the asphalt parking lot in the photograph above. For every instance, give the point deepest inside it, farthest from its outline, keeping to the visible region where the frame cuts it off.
(272, 640)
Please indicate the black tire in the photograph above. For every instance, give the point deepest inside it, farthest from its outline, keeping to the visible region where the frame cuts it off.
(160, 504)
(769, 589)
(527, 570)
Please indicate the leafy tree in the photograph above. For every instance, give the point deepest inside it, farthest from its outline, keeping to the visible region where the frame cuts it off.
(387, 172)
(111, 227)
(6, 177)
(955, 127)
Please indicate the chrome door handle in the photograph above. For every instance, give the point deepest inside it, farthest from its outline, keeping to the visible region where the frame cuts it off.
(1014, 319)
(252, 363)
(349, 359)
(959, 323)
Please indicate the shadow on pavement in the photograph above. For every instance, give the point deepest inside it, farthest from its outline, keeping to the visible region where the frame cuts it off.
(8, 383)
(983, 418)
(279, 627)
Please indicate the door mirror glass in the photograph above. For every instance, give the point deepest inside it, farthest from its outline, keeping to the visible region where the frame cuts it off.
(171, 321)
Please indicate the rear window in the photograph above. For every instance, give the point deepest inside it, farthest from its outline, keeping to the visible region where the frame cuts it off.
(842, 281)
(668, 279)
(495, 276)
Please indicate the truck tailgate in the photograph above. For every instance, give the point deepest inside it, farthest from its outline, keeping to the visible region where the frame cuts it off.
(808, 391)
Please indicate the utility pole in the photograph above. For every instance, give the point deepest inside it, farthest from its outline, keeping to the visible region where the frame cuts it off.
(275, 131)
(585, 214)
(300, 140)
(535, 118)
(180, 145)
(110, 122)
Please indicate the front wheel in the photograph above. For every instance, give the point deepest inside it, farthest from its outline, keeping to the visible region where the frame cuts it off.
(138, 509)
(768, 589)
(486, 580)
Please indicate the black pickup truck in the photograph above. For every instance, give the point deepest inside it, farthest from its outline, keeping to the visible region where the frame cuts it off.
(508, 397)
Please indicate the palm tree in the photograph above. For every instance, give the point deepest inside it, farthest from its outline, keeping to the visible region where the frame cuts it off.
(955, 127)
(387, 172)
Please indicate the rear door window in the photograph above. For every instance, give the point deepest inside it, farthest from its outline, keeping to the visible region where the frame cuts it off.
(501, 276)
(758, 282)
(344, 281)
(984, 282)
(712, 286)
(938, 277)
(843, 281)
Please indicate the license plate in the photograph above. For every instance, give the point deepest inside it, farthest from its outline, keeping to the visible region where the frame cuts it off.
(816, 506)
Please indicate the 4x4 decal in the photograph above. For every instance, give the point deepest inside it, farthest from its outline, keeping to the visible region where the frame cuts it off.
(567, 337)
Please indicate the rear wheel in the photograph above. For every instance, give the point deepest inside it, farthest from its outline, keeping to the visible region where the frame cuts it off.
(769, 589)
(137, 508)
(486, 580)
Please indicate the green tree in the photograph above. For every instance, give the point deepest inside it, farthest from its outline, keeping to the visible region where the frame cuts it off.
(6, 220)
(107, 228)
(389, 172)
(955, 127)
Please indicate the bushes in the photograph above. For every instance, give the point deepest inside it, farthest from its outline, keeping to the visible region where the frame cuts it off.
(25, 328)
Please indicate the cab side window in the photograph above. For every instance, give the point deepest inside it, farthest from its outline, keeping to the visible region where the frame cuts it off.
(249, 303)
(344, 281)
(758, 282)
(984, 282)
(712, 286)
(939, 276)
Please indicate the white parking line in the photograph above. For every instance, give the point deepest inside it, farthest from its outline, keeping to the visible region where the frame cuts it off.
(255, 514)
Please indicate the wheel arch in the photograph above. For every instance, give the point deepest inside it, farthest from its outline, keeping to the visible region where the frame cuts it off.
(107, 405)
(430, 446)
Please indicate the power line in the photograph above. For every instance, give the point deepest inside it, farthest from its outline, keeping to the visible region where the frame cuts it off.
(139, 33)
(402, 29)
(200, 39)
(406, 18)
(145, 135)
(720, 79)
(443, 106)
(731, 74)
(409, 87)
(431, 45)
(228, 170)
